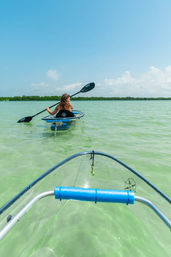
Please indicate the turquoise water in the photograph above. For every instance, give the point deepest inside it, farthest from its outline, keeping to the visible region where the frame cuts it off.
(136, 132)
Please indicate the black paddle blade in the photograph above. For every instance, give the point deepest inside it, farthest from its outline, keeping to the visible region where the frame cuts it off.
(87, 87)
(25, 119)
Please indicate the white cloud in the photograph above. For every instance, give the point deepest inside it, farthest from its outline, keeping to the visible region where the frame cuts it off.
(39, 86)
(52, 74)
(40, 89)
(44, 88)
(152, 83)
(70, 87)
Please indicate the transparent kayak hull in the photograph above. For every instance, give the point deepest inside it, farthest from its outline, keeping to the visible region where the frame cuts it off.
(65, 227)
(62, 123)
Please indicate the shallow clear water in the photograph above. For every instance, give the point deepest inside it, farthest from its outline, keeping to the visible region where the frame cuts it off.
(136, 132)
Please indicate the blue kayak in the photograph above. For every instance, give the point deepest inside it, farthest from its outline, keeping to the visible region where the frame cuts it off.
(62, 123)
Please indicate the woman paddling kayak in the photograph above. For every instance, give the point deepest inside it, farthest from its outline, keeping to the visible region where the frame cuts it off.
(64, 106)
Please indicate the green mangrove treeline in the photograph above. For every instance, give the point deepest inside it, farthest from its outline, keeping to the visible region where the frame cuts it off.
(57, 98)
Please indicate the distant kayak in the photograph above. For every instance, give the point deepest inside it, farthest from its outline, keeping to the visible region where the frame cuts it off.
(64, 121)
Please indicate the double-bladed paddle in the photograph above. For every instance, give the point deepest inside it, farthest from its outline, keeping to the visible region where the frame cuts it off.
(86, 88)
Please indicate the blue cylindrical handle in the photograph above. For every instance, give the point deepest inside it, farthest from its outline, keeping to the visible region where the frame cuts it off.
(95, 195)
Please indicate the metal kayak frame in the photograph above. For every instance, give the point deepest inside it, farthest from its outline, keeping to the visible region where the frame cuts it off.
(86, 194)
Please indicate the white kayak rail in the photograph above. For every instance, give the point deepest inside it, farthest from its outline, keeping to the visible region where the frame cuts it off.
(21, 213)
(155, 209)
(86, 194)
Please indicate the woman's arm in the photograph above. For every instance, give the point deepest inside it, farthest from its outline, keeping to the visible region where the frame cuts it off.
(53, 112)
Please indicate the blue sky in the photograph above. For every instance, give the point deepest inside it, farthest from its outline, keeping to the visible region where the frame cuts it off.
(49, 47)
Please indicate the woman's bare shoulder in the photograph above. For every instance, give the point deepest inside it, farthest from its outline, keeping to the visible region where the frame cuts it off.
(57, 107)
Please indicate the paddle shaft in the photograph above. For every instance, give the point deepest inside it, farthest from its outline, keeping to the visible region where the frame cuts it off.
(53, 105)
(86, 88)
